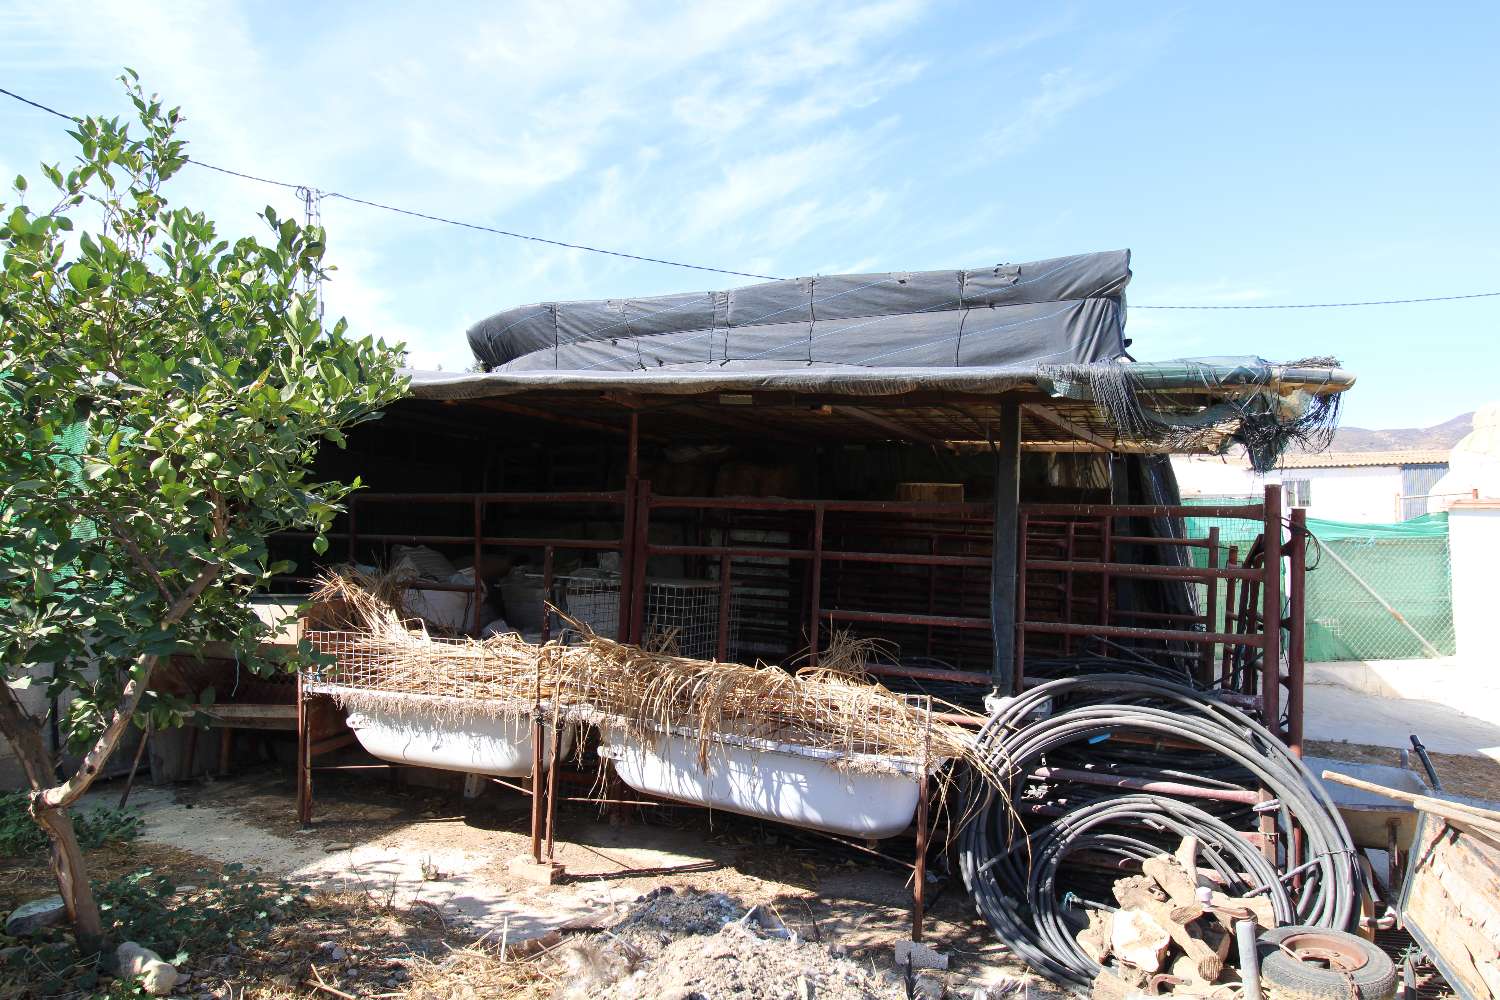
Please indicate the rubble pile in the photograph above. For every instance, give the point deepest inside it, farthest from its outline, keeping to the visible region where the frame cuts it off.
(1171, 932)
(686, 945)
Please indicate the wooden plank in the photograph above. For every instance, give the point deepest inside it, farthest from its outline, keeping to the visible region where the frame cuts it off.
(1450, 904)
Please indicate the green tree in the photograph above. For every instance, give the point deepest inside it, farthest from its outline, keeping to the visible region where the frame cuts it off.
(162, 394)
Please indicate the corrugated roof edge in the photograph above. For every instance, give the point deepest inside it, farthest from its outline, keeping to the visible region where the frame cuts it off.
(1338, 459)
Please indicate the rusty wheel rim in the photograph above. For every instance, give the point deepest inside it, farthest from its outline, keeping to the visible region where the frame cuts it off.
(1325, 950)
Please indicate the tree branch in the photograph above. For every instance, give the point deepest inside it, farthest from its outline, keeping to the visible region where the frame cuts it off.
(135, 689)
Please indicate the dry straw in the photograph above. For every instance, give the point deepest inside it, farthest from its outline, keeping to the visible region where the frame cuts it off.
(379, 659)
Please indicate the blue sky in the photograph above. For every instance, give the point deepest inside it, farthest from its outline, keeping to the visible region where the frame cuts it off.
(1247, 154)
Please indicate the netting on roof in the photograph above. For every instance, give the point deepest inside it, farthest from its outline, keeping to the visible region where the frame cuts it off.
(1255, 414)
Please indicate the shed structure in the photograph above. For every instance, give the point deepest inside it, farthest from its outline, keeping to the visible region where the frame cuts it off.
(965, 464)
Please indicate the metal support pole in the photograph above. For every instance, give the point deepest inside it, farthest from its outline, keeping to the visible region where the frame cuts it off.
(627, 530)
(1270, 664)
(1270, 674)
(1003, 567)
(815, 588)
(721, 648)
(478, 555)
(304, 760)
(536, 784)
(1211, 611)
(547, 561)
(641, 531)
(1296, 652)
(919, 869)
(556, 748)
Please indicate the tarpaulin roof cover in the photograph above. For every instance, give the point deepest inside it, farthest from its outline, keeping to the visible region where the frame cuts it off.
(1069, 310)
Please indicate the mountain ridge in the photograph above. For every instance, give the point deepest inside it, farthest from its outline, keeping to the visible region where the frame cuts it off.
(1443, 435)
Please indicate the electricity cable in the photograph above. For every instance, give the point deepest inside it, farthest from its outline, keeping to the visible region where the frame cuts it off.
(647, 259)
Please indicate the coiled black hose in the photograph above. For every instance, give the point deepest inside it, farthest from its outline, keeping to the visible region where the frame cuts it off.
(1012, 873)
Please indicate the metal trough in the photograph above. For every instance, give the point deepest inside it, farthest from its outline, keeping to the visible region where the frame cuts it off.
(864, 796)
(425, 731)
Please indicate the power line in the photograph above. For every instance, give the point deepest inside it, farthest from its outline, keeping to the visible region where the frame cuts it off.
(543, 239)
(1340, 305)
(479, 227)
(425, 215)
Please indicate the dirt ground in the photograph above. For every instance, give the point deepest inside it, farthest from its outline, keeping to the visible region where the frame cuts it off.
(397, 853)
(411, 889)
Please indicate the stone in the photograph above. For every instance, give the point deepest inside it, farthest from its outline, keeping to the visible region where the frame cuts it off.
(333, 951)
(155, 976)
(920, 956)
(1139, 940)
(334, 848)
(31, 917)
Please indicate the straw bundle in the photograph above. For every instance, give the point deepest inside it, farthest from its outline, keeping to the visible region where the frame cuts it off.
(386, 661)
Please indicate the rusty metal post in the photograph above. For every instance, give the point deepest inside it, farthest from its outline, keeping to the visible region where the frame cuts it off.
(815, 588)
(1224, 663)
(1211, 616)
(556, 746)
(536, 784)
(919, 869)
(721, 647)
(1271, 605)
(478, 555)
(547, 560)
(1270, 664)
(641, 545)
(1071, 553)
(627, 530)
(1107, 549)
(1297, 613)
(304, 760)
(1022, 544)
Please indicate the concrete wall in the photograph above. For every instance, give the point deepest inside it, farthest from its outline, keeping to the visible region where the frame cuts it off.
(1364, 494)
(1474, 546)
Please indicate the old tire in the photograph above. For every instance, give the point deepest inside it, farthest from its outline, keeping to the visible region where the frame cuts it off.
(1325, 964)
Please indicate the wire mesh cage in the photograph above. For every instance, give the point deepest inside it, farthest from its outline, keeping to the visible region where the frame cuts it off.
(681, 616)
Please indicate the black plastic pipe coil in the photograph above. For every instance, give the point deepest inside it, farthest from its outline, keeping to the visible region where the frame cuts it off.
(1012, 874)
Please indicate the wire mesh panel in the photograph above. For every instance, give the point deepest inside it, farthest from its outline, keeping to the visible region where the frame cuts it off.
(589, 600)
(682, 617)
(1380, 592)
(1374, 591)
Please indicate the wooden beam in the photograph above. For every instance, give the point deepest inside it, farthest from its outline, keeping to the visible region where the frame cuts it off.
(583, 423)
(1062, 423)
(902, 431)
(1003, 560)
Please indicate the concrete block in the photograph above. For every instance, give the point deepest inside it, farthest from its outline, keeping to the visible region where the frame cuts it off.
(546, 873)
(920, 956)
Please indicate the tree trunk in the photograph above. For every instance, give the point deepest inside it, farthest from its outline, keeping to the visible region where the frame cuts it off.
(24, 733)
(72, 878)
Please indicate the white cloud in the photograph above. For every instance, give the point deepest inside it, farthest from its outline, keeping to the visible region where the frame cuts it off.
(1059, 92)
(723, 134)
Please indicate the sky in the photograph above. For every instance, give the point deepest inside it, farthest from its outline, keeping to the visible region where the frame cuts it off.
(1246, 154)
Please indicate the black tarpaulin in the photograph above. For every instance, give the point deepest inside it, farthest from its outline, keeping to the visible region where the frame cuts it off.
(1069, 310)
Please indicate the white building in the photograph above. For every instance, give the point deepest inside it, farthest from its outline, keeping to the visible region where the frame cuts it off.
(1372, 487)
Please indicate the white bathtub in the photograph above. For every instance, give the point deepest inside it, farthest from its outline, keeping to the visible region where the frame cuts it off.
(412, 729)
(784, 782)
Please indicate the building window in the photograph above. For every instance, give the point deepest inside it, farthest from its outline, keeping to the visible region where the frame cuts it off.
(1298, 492)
